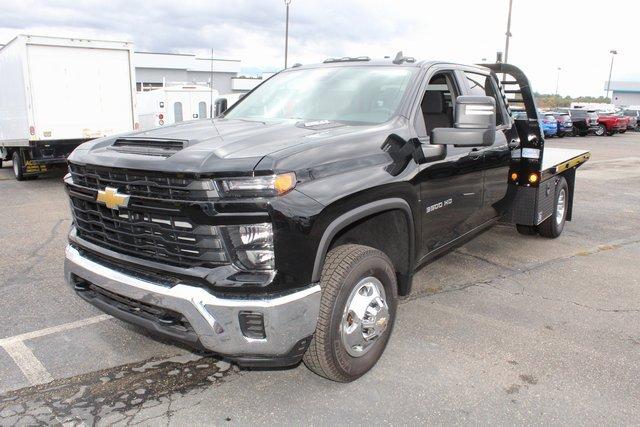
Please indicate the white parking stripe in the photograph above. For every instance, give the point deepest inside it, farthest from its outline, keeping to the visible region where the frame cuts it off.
(30, 366)
(54, 329)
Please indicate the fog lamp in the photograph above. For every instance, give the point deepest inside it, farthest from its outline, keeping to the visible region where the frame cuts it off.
(256, 234)
(252, 245)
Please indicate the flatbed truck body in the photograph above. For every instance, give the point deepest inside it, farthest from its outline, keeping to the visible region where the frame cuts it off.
(286, 228)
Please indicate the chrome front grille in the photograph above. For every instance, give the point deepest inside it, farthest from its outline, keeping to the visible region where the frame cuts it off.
(143, 183)
(161, 235)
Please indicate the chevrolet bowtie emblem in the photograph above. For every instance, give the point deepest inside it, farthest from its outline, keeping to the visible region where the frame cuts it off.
(112, 199)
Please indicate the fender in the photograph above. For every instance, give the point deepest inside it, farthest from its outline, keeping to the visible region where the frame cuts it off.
(359, 213)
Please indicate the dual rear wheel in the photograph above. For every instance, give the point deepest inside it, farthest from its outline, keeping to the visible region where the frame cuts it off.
(551, 227)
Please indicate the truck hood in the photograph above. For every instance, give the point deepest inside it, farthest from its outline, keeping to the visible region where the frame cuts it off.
(207, 146)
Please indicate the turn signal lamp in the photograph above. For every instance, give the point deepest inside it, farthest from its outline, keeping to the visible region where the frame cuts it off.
(514, 176)
(284, 182)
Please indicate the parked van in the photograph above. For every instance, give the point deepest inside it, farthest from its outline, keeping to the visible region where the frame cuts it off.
(174, 104)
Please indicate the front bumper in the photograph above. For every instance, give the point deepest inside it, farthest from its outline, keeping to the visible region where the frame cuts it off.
(213, 322)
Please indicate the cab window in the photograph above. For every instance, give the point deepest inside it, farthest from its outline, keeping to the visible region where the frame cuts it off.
(483, 85)
(437, 104)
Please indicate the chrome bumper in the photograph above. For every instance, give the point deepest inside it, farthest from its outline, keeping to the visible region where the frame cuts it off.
(287, 318)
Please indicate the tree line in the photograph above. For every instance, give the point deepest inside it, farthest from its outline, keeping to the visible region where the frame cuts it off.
(553, 101)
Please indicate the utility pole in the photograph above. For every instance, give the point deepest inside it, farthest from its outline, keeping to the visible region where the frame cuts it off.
(557, 82)
(286, 34)
(508, 34)
(613, 53)
(211, 88)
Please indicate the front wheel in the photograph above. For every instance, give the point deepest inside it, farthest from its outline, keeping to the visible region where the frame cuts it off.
(601, 130)
(552, 227)
(357, 313)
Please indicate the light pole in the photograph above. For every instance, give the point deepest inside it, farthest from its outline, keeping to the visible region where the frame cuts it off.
(286, 34)
(508, 34)
(613, 53)
(557, 82)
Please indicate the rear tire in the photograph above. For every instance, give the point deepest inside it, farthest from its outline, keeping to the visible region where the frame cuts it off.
(339, 350)
(18, 167)
(552, 227)
(527, 230)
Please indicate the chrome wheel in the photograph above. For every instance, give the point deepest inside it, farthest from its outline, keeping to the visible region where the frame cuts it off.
(365, 318)
(601, 130)
(560, 208)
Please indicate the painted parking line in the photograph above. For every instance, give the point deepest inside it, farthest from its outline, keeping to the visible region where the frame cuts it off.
(27, 362)
(31, 367)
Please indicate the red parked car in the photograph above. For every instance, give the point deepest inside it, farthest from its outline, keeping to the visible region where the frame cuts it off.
(609, 123)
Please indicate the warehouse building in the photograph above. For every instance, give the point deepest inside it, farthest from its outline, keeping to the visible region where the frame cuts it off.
(154, 70)
(624, 93)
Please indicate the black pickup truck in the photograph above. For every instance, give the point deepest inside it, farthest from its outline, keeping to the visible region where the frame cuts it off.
(286, 228)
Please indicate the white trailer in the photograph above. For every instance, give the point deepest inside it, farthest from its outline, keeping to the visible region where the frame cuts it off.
(56, 93)
(174, 104)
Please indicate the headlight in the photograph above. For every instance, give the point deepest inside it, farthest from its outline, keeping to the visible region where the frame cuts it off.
(258, 186)
(253, 245)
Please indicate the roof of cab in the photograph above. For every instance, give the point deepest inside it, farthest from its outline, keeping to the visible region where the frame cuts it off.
(359, 61)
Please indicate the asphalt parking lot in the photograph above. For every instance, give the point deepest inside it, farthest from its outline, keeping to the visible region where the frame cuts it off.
(506, 329)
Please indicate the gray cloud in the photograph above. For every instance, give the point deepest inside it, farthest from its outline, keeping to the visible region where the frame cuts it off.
(170, 26)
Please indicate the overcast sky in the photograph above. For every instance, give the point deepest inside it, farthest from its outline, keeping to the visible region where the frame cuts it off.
(575, 35)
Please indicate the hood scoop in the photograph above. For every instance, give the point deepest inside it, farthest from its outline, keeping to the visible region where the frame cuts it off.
(149, 146)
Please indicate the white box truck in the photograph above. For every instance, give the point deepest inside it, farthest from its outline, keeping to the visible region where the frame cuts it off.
(174, 104)
(56, 93)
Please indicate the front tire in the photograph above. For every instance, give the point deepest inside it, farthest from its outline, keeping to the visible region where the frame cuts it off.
(357, 313)
(601, 130)
(552, 227)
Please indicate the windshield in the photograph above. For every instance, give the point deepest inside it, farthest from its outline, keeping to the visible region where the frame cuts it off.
(361, 94)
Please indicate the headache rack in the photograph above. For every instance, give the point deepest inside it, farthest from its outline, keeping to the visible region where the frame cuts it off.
(534, 172)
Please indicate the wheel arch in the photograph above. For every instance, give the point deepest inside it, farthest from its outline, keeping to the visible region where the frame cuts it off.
(366, 211)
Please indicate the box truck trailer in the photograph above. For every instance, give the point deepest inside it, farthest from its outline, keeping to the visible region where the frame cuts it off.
(56, 93)
(174, 104)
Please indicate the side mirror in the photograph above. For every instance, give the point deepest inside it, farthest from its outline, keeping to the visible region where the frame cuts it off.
(221, 106)
(475, 123)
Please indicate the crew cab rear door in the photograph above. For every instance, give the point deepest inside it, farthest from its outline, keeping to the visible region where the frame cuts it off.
(497, 157)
